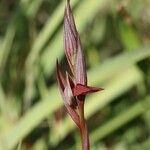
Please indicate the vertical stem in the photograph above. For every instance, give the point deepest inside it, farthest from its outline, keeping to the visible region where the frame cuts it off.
(83, 129)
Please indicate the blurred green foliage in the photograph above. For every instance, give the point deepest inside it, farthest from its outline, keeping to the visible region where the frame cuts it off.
(116, 40)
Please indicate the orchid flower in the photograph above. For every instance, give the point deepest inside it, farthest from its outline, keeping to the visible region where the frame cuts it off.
(73, 86)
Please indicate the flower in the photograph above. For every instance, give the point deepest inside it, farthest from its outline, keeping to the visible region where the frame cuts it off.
(72, 93)
(73, 86)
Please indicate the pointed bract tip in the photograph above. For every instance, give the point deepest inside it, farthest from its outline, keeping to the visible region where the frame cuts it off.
(68, 1)
(80, 89)
(67, 4)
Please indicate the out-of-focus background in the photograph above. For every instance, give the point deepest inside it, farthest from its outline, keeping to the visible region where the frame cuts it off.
(115, 35)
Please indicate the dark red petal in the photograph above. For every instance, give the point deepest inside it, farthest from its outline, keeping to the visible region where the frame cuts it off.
(70, 36)
(69, 16)
(73, 50)
(80, 67)
(83, 90)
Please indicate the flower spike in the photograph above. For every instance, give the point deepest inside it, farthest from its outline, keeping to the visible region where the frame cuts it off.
(73, 87)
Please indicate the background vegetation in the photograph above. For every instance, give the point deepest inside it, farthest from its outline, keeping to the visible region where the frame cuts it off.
(116, 39)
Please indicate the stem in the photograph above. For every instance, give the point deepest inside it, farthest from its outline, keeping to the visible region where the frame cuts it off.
(83, 129)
